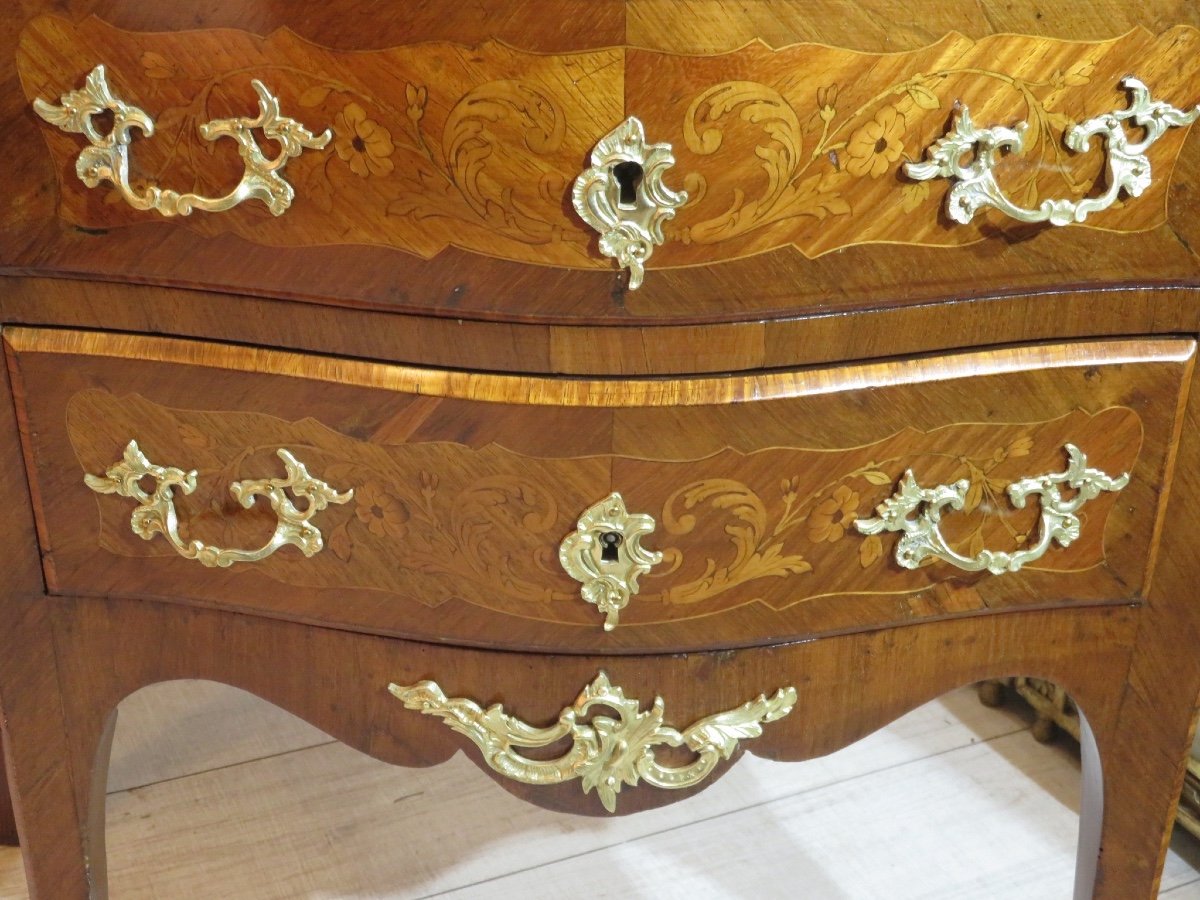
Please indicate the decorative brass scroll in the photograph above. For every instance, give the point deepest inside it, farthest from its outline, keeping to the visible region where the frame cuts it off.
(629, 216)
(917, 512)
(608, 753)
(975, 184)
(605, 554)
(155, 513)
(107, 159)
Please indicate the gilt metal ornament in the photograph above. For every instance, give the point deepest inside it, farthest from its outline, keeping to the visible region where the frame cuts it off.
(629, 228)
(606, 753)
(107, 157)
(606, 556)
(916, 513)
(975, 185)
(156, 513)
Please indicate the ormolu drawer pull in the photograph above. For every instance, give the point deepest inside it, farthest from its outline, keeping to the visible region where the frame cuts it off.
(606, 555)
(107, 159)
(916, 512)
(975, 183)
(607, 754)
(622, 196)
(155, 513)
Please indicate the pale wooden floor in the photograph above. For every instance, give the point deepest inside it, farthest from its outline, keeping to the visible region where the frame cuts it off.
(215, 794)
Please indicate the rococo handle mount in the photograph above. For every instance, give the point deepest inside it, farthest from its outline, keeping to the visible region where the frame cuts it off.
(975, 186)
(916, 512)
(608, 753)
(107, 158)
(156, 514)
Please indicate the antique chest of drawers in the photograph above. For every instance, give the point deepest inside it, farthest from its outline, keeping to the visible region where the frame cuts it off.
(624, 384)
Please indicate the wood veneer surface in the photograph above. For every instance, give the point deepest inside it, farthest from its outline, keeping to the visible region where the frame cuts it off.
(467, 484)
(497, 240)
(489, 307)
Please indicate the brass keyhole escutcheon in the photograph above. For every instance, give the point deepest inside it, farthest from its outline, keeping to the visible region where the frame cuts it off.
(623, 197)
(606, 556)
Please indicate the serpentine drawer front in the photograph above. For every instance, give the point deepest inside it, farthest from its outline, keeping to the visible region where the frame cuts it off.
(603, 387)
(480, 509)
(545, 172)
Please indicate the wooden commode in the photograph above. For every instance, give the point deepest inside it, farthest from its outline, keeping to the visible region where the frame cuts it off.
(601, 388)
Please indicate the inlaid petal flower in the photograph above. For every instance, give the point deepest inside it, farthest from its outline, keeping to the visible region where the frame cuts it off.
(833, 515)
(362, 142)
(383, 514)
(876, 145)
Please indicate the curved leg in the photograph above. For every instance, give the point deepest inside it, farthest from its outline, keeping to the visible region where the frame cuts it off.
(8, 819)
(1143, 754)
(96, 781)
(39, 759)
(1091, 812)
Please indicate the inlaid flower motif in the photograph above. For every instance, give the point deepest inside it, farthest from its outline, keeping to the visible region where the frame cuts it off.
(429, 485)
(833, 515)
(827, 102)
(383, 514)
(416, 95)
(877, 144)
(362, 142)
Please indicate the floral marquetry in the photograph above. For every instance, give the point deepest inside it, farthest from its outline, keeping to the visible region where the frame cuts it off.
(438, 145)
(439, 524)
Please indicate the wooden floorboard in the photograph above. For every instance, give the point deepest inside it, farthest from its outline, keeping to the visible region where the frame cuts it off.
(215, 794)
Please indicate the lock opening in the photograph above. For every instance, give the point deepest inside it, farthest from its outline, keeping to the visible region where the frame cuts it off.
(610, 542)
(629, 177)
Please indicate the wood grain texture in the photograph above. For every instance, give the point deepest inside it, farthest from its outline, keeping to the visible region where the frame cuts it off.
(1122, 646)
(880, 26)
(435, 144)
(910, 662)
(443, 144)
(40, 774)
(22, 577)
(510, 347)
(462, 504)
(485, 165)
(8, 818)
(261, 830)
(951, 771)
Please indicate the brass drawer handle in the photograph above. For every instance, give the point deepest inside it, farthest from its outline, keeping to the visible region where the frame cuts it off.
(607, 754)
(622, 196)
(975, 186)
(155, 512)
(916, 512)
(606, 556)
(107, 159)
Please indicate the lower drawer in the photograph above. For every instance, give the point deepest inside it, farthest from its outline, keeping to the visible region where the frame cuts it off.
(467, 487)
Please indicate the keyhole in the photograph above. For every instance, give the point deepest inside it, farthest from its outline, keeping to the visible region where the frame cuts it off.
(609, 542)
(629, 176)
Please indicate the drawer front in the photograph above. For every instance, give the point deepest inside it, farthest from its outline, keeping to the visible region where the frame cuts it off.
(446, 182)
(466, 486)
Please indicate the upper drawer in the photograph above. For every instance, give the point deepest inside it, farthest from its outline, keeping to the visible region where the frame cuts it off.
(446, 185)
(467, 489)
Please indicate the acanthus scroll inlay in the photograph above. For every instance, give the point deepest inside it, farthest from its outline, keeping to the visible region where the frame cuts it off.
(439, 523)
(439, 145)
